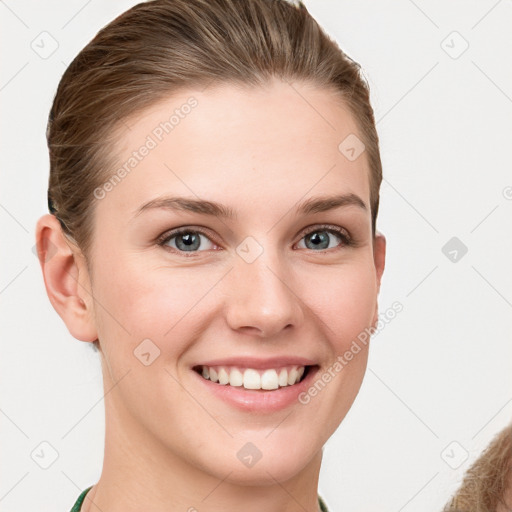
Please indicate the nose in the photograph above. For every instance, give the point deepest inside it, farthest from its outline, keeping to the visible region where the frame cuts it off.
(262, 299)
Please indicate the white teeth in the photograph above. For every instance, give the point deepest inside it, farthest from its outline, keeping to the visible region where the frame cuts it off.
(250, 378)
(269, 380)
(223, 376)
(236, 378)
(292, 376)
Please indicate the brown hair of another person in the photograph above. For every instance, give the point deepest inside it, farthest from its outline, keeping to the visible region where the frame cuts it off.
(487, 485)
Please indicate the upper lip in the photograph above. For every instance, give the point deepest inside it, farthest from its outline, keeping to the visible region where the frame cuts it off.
(259, 363)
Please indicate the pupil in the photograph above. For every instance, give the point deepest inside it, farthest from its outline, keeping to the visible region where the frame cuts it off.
(188, 241)
(317, 239)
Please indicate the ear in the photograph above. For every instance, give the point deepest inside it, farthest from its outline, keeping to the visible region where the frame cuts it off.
(379, 259)
(66, 278)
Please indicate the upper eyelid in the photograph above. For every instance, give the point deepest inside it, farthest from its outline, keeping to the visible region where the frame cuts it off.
(326, 227)
(184, 229)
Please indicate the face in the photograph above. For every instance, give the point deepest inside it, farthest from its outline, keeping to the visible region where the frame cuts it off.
(273, 285)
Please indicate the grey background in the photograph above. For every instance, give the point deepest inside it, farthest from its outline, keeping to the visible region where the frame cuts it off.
(438, 385)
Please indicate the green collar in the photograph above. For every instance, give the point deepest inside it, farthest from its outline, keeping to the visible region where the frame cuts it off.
(78, 505)
(79, 501)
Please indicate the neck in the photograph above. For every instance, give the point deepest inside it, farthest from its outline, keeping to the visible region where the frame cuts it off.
(139, 473)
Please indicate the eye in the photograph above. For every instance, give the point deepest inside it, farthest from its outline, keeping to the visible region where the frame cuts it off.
(189, 240)
(184, 240)
(320, 237)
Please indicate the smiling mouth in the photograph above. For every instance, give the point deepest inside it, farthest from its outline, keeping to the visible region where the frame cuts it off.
(254, 379)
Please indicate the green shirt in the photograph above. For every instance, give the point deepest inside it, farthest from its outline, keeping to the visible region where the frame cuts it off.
(79, 501)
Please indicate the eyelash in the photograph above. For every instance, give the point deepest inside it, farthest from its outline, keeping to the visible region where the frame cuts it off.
(346, 240)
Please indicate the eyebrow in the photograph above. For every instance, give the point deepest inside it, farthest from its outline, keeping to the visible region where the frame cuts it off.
(201, 206)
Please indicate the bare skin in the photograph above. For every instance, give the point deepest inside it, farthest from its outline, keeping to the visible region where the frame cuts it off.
(170, 445)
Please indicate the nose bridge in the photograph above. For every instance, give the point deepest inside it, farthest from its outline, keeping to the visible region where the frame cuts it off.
(262, 299)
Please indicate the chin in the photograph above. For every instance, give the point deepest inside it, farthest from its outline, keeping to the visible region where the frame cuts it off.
(274, 465)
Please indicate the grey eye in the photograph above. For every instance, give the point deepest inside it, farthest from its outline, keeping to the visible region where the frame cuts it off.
(185, 241)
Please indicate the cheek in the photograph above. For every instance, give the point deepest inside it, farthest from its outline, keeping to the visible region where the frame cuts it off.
(139, 301)
(345, 301)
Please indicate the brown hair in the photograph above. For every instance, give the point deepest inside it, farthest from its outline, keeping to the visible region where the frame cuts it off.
(487, 484)
(160, 46)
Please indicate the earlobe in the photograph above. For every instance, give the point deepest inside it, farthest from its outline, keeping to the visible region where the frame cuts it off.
(66, 279)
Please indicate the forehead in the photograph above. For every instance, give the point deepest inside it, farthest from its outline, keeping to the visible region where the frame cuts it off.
(270, 145)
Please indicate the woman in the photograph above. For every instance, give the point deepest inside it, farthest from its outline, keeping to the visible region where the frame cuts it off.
(214, 190)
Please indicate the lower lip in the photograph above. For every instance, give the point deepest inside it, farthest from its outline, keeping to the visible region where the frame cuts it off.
(255, 400)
